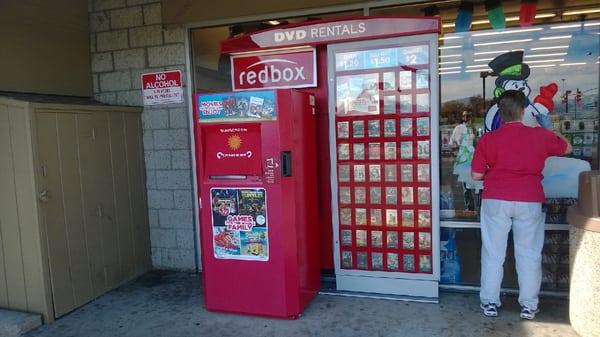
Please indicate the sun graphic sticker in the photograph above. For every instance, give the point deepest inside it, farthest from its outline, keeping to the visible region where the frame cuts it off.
(234, 142)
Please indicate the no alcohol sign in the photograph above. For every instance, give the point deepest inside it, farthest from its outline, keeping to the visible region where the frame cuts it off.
(162, 88)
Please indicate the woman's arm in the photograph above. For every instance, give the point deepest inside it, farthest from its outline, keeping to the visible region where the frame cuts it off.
(569, 146)
(477, 175)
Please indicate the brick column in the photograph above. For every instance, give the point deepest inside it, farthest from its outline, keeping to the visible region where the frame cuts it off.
(127, 39)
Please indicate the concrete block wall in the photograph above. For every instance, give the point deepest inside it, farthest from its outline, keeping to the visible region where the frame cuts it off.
(127, 40)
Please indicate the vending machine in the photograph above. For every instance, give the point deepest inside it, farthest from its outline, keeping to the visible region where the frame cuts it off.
(376, 83)
(256, 176)
(384, 165)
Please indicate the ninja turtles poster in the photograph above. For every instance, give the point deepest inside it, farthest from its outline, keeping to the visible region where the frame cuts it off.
(239, 223)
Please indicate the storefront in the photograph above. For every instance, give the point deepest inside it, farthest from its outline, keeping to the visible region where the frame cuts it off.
(400, 103)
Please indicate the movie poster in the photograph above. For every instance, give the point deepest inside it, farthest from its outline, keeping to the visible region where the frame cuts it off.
(357, 94)
(239, 223)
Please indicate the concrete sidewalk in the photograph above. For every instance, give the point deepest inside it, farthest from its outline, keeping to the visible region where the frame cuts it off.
(165, 304)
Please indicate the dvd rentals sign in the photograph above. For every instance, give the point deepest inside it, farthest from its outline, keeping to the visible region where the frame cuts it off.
(321, 32)
(162, 88)
(282, 70)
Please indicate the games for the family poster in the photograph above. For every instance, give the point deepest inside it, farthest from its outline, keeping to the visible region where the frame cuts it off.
(239, 223)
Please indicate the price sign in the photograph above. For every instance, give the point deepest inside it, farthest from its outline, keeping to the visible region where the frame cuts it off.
(413, 55)
(349, 61)
(381, 58)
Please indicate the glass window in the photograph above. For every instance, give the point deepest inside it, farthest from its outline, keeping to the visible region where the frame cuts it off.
(563, 54)
(460, 259)
(546, 11)
(211, 71)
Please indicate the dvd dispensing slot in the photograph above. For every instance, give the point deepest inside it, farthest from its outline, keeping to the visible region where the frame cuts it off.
(228, 177)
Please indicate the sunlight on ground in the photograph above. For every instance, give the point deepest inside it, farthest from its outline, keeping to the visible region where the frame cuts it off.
(532, 328)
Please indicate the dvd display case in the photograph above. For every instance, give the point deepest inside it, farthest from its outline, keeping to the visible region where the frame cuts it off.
(392, 149)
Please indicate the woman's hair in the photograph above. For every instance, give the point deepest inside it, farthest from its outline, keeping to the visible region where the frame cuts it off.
(511, 105)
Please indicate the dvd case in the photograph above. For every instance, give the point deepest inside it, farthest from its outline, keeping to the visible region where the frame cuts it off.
(374, 128)
(375, 217)
(375, 195)
(343, 130)
(392, 261)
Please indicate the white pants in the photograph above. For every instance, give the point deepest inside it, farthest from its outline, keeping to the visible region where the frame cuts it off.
(527, 222)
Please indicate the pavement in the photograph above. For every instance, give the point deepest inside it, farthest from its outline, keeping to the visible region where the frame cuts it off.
(15, 323)
(169, 304)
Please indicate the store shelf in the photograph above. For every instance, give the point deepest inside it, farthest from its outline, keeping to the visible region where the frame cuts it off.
(458, 224)
(557, 227)
(473, 224)
(472, 289)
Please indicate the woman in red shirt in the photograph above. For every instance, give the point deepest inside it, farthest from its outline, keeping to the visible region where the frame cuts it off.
(510, 161)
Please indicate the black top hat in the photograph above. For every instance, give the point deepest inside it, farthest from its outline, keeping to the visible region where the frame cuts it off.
(509, 66)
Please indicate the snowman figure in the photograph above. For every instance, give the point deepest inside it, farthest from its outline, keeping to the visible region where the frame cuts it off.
(560, 173)
(512, 75)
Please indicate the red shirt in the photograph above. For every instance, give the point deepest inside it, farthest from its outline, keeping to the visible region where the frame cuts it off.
(512, 159)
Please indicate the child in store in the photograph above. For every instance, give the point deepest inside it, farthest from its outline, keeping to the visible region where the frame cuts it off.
(463, 136)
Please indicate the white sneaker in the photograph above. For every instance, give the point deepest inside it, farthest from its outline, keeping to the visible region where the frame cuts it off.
(489, 309)
(528, 313)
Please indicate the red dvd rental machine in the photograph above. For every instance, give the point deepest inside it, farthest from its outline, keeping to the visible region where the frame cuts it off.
(256, 176)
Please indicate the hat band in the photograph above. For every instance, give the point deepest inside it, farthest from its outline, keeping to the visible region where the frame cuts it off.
(514, 70)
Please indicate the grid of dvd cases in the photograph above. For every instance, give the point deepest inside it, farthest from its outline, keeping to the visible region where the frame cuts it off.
(384, 177)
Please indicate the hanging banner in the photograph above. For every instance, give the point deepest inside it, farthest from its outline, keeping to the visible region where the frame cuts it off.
(239, 220)
(164, 87)
(282, 70)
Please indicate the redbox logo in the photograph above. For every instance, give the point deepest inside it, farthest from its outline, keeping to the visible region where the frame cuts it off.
(277, 71)
(289, 70)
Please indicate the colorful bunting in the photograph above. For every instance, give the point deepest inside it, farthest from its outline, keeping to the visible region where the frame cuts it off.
(527, 12)
(495, 14)
(464, 17)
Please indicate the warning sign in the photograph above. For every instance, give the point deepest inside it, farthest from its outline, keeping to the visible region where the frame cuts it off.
(162, 88)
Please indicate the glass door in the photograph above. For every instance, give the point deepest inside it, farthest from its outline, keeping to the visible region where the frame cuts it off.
(383, 111)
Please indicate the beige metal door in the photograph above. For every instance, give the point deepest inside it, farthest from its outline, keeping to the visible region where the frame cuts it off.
(137, 189)
(12, 275)
(60, 202)
(122, 196)
(129, 193)
(77, 206)
(92, 202)
(92, 135)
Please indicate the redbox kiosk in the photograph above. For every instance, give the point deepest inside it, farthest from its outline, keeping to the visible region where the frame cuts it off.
(257, 184)
(375, 83)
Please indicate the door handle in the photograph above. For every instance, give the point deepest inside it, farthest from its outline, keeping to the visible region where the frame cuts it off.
(43, 196)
